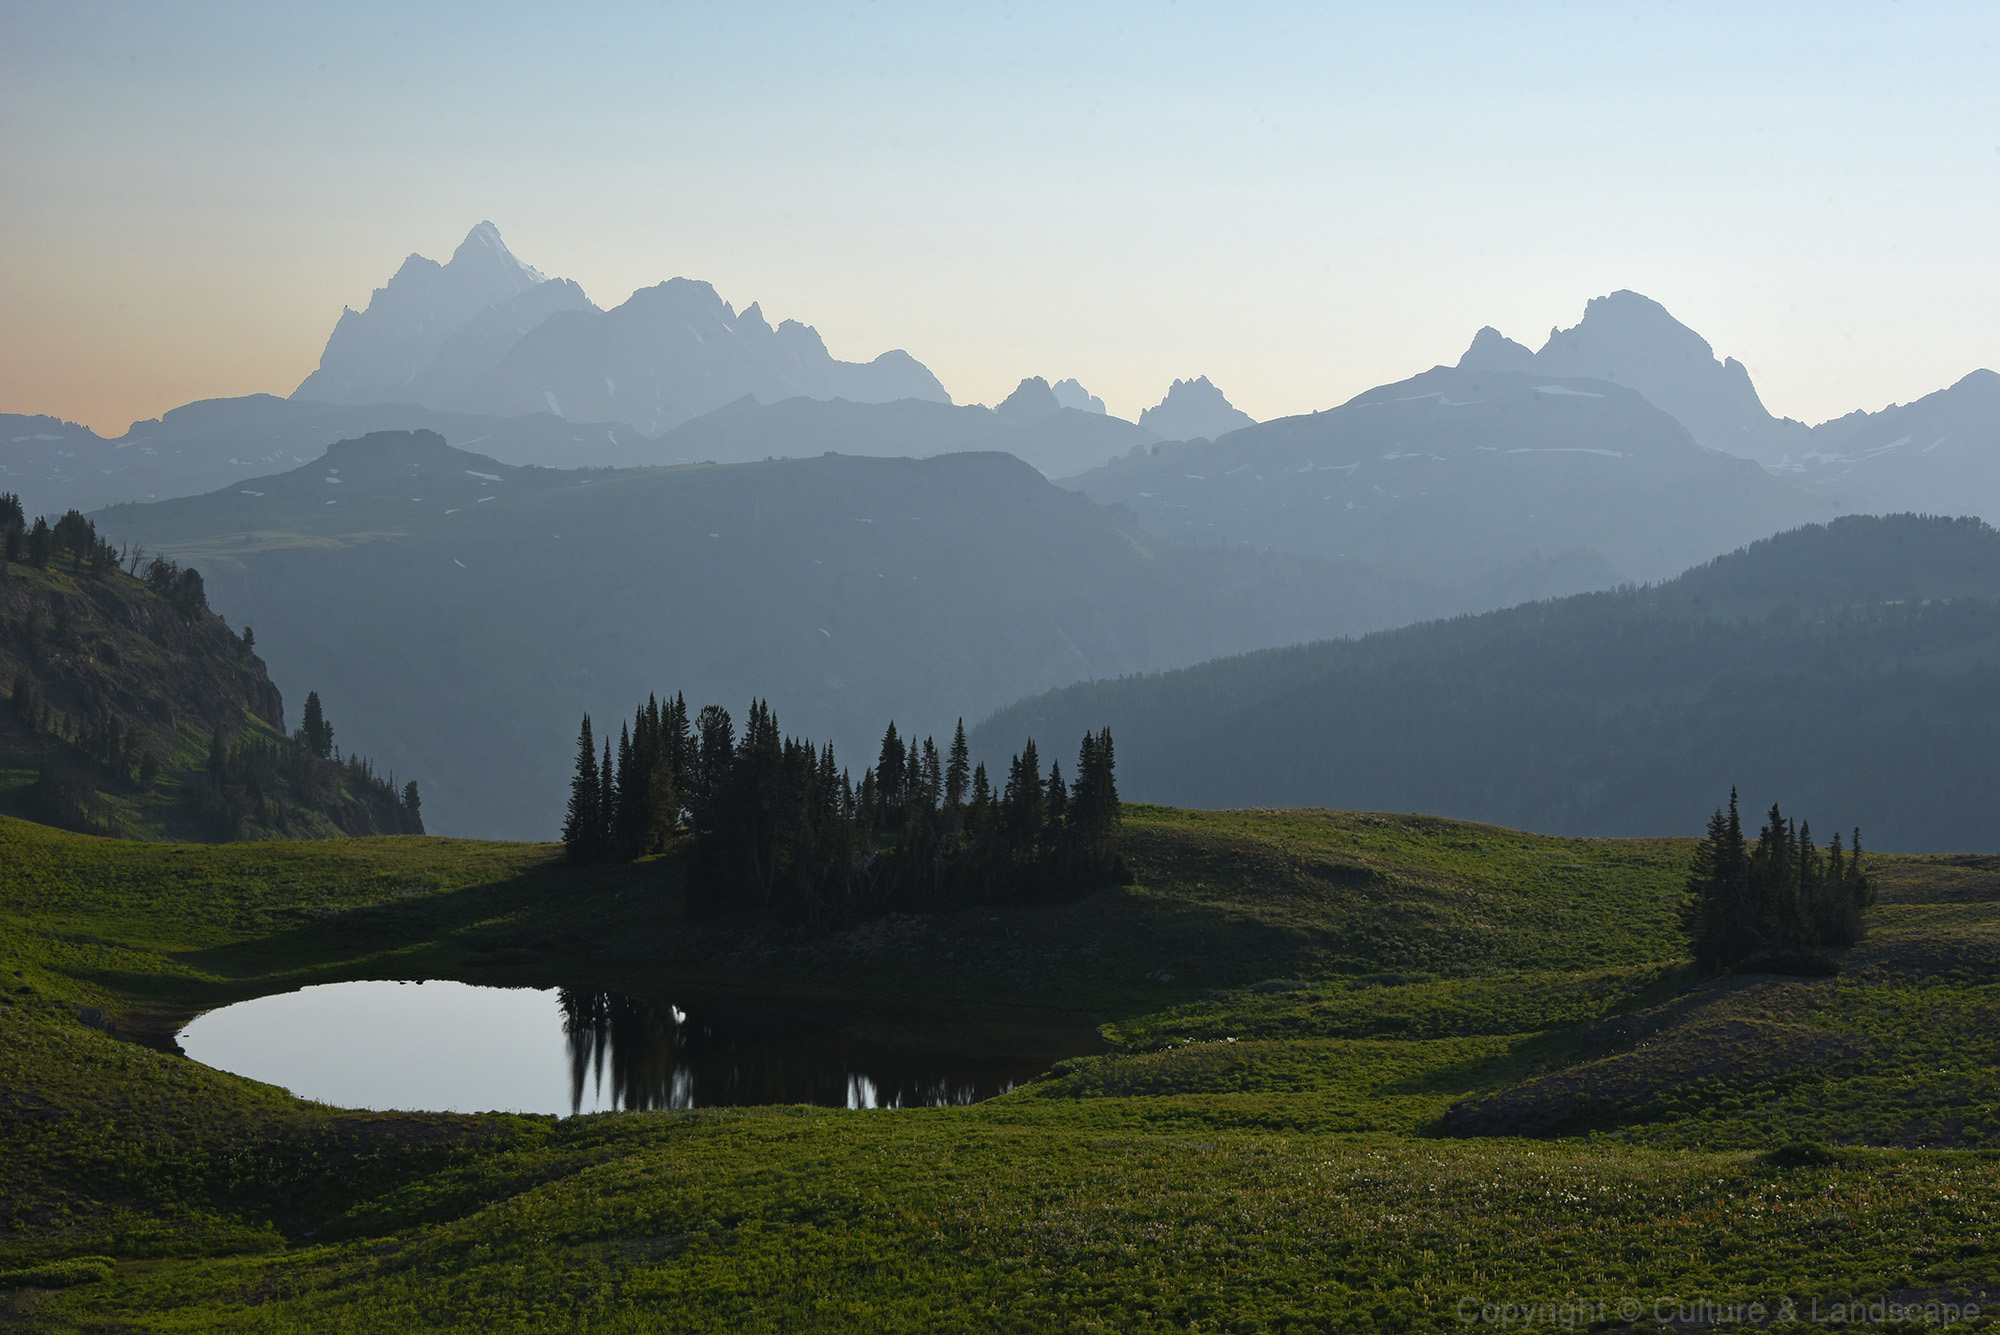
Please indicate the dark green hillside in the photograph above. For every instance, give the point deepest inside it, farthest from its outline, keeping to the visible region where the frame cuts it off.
(119, 688)
(1853, 668)
(1320, 1020)
(459, 615)
(1502, 486)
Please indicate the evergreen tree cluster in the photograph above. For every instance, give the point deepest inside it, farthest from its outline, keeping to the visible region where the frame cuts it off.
(1779, 897)
(179, 585)
(41, 543)
(13, 523)
(777, 828)
(75, 539)
(267, 781)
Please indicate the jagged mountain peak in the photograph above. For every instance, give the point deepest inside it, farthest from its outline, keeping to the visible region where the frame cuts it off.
(1493, 351)
(1627, 324)
(1627, 338)
(1070, 393)
(485, 333)
(1031, 401)
(378, 354)
(1194, 410)
(483, 245)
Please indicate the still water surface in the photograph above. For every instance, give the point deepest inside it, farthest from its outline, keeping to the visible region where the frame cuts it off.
(453, 1047)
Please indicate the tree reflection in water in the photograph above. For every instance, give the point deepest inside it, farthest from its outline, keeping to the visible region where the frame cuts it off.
(636, 1040)
(635, 1054)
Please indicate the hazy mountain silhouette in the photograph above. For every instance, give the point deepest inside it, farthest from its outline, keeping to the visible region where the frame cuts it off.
(199, 447)
(489, 335)
(1194, 409)
(1853, 668)
(375, 355)
(458, 614)
(671, 353)
(1059, 442)
(1031, 401)
(1938, 455)
(1631, 340)
(1070, 394)
(1500, 486)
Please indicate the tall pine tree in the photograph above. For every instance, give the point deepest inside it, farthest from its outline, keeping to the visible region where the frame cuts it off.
(583, 824)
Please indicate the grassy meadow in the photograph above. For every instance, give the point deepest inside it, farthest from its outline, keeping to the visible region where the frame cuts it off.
(1368, 1073)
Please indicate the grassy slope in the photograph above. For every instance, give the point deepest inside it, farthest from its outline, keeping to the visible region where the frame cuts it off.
(1258, 1157)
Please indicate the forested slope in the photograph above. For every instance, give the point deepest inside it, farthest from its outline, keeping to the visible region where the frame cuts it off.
(1853, 668)
(131, 708)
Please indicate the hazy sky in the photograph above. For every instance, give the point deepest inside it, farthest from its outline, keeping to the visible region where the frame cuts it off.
(1298, 201)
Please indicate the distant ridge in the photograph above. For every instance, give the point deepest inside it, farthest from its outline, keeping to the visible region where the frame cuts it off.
(1502, 486)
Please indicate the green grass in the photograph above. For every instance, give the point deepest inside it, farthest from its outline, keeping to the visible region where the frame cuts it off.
(1264, 1150)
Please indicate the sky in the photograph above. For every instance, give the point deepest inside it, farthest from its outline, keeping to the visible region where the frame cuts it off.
(1298, 201)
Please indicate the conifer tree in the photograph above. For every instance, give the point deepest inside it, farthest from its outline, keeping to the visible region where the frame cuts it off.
(957, 770)
(628, 810)
(585, 819)
(890, 779)
(930, 777)
(1024, 808)
(314, 730)
(607, 803)
(1780, 897)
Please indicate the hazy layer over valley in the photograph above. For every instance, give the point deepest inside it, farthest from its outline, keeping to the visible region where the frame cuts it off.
(458, 614)
(1855, 666)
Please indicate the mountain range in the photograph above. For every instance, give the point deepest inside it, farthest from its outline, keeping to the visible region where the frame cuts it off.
(1503, 485)
(486, 334)
(55, 465)
(1939, 454)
